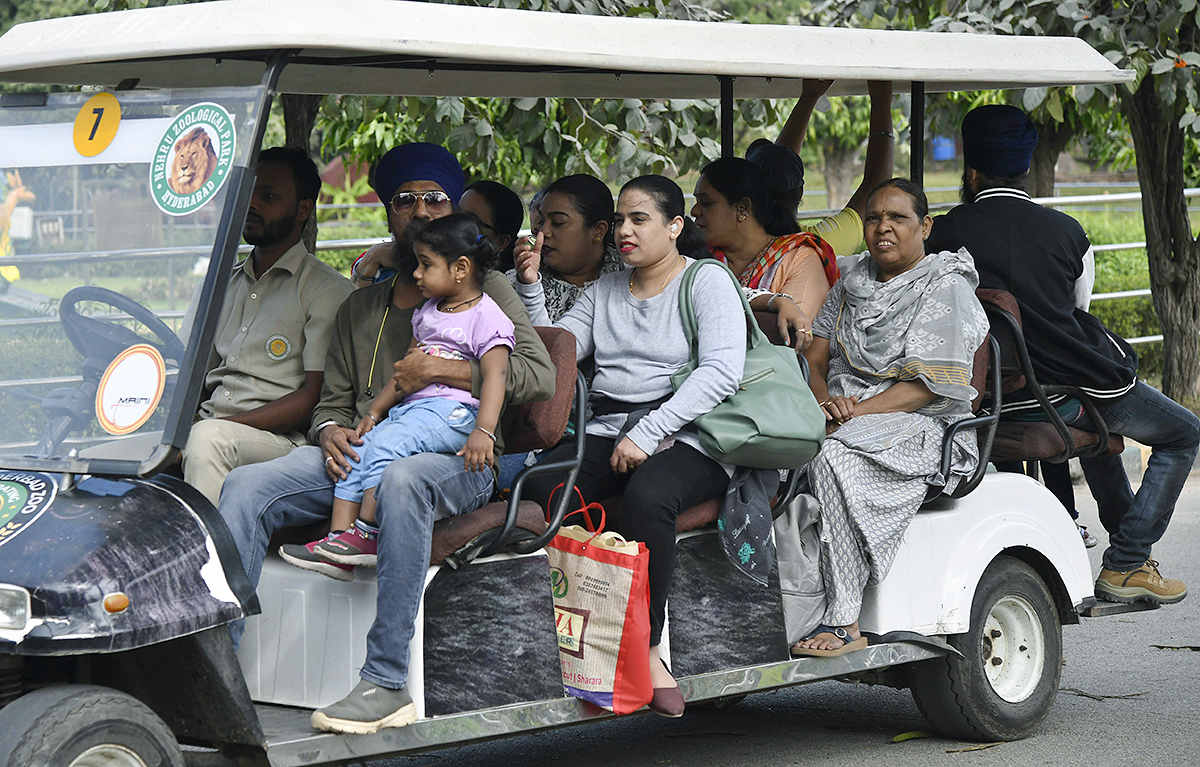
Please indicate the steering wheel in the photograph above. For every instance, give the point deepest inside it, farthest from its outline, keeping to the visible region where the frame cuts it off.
(96, 338)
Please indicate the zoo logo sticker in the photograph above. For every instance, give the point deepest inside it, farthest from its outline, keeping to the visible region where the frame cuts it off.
(193, 159)
(24, 496)
(130, 389)
(278, 347)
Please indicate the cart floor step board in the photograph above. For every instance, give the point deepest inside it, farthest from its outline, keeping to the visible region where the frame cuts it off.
(292, 741)
(1104, 609)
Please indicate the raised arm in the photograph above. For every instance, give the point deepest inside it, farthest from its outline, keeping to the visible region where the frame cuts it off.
(881, 146)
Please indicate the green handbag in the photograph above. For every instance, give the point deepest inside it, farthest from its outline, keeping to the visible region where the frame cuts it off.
(772, 421)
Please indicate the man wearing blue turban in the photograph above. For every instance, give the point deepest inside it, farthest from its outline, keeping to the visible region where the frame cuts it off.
(1043, 257)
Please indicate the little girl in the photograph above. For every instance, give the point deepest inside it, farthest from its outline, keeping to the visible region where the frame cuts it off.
(457, 322)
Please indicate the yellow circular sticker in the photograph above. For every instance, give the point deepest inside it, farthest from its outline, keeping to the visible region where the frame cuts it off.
(96, 124)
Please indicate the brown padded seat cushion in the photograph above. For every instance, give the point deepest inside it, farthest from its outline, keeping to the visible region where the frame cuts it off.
(450, 535)
(1026, 441)
(1004, 300)
(539, 425)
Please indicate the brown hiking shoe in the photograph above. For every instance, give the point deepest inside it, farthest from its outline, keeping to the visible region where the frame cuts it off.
(1143, 584)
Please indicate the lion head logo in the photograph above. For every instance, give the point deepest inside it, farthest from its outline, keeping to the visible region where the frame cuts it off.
(195, 161)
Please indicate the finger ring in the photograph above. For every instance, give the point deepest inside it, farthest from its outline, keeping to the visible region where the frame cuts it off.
(826, 402)
(328, 459)
(806, 330)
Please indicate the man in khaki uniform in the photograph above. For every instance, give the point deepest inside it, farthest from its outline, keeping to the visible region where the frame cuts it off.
(267, 364)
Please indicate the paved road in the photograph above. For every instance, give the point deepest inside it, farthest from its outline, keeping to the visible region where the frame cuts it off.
(1122, 702)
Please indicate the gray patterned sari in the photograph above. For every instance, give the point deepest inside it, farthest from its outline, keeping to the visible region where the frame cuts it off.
(873, 472)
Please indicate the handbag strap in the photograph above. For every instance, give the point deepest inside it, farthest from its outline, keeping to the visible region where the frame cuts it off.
(687, 312)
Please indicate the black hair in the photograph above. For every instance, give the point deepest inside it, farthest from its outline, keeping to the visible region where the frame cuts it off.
(987, 181)
(508, 212)
(304, 170)
(668, 198)
(909, 187)
(736, 179)
(458, 235)
(591, 197)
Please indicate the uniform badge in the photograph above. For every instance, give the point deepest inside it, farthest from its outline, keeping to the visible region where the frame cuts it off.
(278, 347)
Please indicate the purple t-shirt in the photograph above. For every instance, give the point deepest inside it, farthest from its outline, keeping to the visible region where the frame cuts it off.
(466, 335)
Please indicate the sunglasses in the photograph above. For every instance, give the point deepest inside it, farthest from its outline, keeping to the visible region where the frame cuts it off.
(404, 201)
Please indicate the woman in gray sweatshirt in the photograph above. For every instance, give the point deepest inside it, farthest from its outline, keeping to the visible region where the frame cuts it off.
(640, 439)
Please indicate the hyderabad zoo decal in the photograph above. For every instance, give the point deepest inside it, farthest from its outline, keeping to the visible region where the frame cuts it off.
(24, 496)
(192, 159)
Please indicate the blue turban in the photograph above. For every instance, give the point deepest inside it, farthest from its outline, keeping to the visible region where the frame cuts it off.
(418, 162)
(998, 140)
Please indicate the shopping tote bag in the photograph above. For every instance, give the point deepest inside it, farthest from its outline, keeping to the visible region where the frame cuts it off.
(602, 615)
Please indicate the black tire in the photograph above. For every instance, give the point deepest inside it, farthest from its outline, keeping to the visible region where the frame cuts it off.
(81, 725)
(1005, 684)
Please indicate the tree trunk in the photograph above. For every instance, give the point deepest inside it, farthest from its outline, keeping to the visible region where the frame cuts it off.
(1158, 144)
(839, 173)
(1053, 138)
(299, 117)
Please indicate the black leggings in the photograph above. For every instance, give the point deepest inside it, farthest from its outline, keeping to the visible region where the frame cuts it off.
(655, 494)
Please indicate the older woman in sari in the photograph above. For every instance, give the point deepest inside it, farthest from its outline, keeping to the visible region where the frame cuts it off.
(891, 366)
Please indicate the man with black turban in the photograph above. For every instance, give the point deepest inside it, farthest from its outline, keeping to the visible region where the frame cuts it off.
(1043, 258)
(368, 351)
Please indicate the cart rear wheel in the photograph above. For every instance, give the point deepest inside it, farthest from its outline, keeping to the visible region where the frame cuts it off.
(1004, 685)
(84, 726)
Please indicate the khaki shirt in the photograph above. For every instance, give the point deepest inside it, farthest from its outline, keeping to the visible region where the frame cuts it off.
(272, 331)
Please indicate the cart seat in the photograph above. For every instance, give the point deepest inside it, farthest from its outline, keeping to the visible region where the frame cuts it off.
(531, 426)
(1050, 440)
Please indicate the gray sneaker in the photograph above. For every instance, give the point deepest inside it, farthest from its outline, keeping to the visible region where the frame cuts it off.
(367, 709)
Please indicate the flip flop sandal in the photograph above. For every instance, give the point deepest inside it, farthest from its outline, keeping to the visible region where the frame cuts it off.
(848, 644)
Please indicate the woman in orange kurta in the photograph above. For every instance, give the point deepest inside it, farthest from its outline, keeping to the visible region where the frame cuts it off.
(760, 242)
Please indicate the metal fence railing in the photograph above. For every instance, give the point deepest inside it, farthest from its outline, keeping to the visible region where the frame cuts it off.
(362, 243)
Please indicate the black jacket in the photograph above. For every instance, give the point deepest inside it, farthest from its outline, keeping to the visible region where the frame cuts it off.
(1036, 253)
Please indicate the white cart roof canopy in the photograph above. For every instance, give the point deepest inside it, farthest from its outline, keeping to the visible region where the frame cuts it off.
(412, 48)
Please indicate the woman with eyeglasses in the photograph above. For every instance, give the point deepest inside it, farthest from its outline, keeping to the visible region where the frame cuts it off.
(415, 182)
(500, 213)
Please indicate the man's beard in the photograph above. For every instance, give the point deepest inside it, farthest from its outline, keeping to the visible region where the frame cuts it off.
(404, 258)
(270, 232)
(966, 192)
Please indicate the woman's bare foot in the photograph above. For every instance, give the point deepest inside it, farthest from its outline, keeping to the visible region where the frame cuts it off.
(829, 641)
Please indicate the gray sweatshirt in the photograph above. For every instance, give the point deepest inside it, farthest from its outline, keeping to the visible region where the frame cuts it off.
(638, 343)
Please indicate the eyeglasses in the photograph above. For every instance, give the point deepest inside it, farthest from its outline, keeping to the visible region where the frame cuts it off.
(404, 201)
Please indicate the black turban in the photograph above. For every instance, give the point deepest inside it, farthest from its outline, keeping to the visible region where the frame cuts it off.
(998, 140)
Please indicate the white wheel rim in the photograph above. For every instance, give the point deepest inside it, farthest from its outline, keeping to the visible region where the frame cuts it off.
(1013, 648)
(108, 755)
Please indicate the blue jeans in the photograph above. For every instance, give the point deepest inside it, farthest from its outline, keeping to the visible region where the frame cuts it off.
(414, 492)
(427, 425)
(1136, 522)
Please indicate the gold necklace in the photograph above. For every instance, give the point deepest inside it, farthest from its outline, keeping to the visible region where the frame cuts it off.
(664, 282)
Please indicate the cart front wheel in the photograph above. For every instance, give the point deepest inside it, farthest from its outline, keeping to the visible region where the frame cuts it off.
(84, 726)
(1004, 685)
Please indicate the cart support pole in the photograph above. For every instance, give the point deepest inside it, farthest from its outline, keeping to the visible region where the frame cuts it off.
(726, 115)
(916, 133)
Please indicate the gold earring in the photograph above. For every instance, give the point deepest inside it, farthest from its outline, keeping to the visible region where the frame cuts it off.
(596, 240)
(458, 279)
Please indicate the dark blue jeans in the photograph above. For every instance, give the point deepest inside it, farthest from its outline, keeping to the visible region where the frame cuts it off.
(1136, 522)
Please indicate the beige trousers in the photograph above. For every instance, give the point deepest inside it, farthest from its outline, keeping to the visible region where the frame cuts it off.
(216, 447)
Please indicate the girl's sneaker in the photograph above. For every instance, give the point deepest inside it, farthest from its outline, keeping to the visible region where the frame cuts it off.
(353, 547)
(304, 557)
